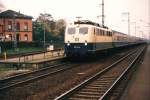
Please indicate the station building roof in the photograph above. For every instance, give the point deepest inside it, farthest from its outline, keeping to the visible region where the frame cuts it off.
(14, 14)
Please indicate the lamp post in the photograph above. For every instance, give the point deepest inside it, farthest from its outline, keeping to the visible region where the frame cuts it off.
(128, 14)
(14, 31)
(44, 33)
(103, 13)
(45, 17)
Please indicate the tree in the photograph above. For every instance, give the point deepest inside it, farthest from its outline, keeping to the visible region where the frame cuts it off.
(54, 30)
(60, 28)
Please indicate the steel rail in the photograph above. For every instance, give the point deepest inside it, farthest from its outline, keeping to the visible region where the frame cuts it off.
(104, 97)
(30, 72)
(76, 88)
(35, 78)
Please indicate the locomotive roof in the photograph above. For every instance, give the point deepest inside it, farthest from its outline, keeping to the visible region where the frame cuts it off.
(89, 22)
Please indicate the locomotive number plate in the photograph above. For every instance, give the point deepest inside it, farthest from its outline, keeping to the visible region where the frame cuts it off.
(76, 47)
(76, 39)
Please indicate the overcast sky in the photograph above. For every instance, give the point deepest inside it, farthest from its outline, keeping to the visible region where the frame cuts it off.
(89, 9)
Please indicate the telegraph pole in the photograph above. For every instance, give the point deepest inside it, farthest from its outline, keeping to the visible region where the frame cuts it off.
(135, 27)
(14, 31)
(44, 33)
(128, 14)
(128, 23)
(103, 13)
(149, 20)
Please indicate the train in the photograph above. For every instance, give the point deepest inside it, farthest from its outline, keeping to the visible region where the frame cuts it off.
(85, 37)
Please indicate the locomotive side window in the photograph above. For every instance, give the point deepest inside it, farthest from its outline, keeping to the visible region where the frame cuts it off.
(71, 30)
(97, 31)
(83, 30)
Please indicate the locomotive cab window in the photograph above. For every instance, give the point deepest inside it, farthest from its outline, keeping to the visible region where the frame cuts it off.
(83, 30)
(71, 30)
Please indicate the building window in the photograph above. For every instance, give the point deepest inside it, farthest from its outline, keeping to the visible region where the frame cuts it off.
(9, 25)
(18, 37)
(10, 37)
(25, 26)
(18, 26)
(26, 37)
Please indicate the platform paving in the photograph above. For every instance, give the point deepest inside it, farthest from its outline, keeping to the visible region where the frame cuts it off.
(139, 86)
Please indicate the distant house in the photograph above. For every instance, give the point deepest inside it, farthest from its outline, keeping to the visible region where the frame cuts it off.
(15, 26)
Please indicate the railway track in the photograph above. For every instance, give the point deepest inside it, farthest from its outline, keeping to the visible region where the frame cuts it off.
(100, 85)
(33, 75)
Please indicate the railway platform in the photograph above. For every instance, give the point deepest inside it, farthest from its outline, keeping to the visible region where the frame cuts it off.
(29, 61)
(36, 58)
(139, 85)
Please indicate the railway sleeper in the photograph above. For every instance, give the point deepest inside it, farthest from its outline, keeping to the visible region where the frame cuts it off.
(96, 87)
(104, 81)
(81, 99)
(83, 96)
(94, 90)
(101, 83)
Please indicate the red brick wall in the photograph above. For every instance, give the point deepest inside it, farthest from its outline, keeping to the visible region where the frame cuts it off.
(21, 32)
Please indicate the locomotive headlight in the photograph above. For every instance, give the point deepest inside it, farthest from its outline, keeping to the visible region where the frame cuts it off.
(68, 44)
(85, 43)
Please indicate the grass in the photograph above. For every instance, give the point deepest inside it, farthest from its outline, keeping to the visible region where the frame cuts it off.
(4, 69)
(23, 50)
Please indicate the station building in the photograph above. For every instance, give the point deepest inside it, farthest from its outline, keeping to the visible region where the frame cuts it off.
(15, 26)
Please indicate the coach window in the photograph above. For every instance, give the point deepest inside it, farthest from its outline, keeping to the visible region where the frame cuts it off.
(103, 32)
(106, 33)
(83, 30)
(100, 32)
(71, 30)
(110, 33)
